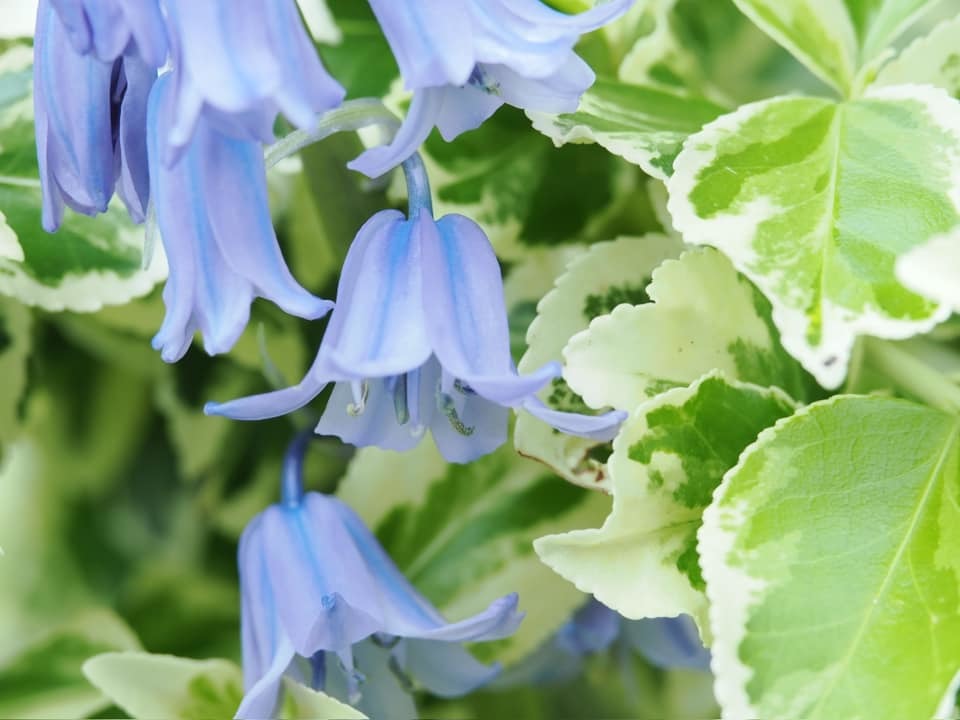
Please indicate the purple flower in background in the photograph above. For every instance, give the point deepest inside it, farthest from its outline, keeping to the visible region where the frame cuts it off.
(463, 59)
(240, 63)
(111, 28)
(419, 340)
(314, 582)
(89, 118)
(668, 643)
(218, 235)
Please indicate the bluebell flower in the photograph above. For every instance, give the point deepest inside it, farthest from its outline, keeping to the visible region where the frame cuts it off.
(216, 229)
(315, 583)
(89, 119)
(111, 28)
(419, 340)
(668, 643)
(240, 63)
(463, 59)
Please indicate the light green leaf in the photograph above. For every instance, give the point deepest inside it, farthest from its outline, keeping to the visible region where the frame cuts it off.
(814, 200)
(15, 328)
(151, 686)
(89, 262)
(302, 703)
(43, 679)
(463, 534)
(637, 352)
(596, 281)
(511, 180)
(320, 21)
(834, 38)
(643, 125)
(933, 59)
(667, 460)
(933, 269)
(838, 533)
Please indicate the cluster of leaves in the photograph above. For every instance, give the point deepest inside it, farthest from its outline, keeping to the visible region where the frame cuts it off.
(732, 239)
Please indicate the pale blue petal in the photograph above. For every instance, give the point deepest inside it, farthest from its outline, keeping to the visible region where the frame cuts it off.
(378, 328)
(559, 92)
(465, 425)
(595, 427)
(133, 178)
(431, 39)
(444, 669)
(592, 628)
(464, 108)
(669, 642)
(375, 426)
(260, 701)
(425, 107)
(245, 62)
(72, 105)
(111, 28)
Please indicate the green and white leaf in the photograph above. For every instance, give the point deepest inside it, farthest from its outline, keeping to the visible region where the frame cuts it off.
(604, 276)
(667, 460)
(933, 269)
(637, 352)
(303, 703)
(835, 38)
(89, 262)
(320, 21)
(815, 200)
(151, 686)
(511, 180)
(643, 125)
(43, 679)
(933, 59)
(838, 536)
(463, 534)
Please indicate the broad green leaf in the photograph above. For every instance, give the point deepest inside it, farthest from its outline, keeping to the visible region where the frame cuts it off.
(933, 270)
(637, 352)
(667, 460)
(595, 282)
(463, 534)
(362, 61)
(151, 686)
(15, 330)
(89, 262)
(511, 180)
(44, 679)
(834, 38)
(302, 703)
(838, 533)
(643, 125)
(814, 200)
(933, 59)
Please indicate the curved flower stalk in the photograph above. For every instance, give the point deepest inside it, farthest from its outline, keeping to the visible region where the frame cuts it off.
(240, 64)
(315, 582)
(419, 340)
(463, 59)
(111, 28)
(221, 254)
(90, 118)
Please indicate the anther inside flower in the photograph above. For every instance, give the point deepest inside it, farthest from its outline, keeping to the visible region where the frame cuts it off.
(419, 340)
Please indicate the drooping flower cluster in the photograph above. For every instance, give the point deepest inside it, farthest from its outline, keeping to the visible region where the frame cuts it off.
(419, 340)
(463, 59)
(315, 583)
(168, 103)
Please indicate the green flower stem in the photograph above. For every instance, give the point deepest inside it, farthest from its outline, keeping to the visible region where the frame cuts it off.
(911, 375)
(352, 115)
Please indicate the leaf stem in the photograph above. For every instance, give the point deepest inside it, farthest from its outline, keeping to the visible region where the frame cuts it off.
(911, 375)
